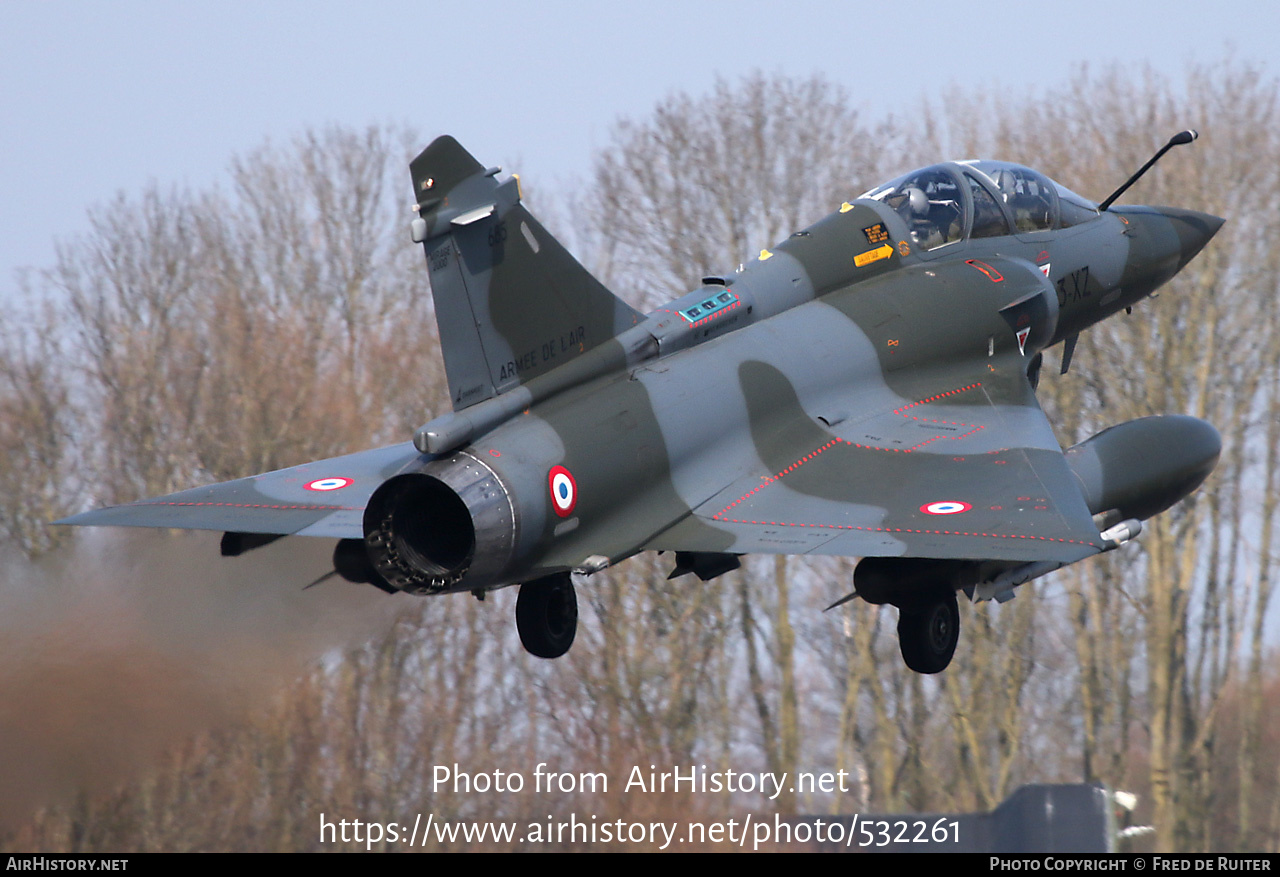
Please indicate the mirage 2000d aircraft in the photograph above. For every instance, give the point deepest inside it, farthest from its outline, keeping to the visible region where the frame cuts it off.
(864, 388)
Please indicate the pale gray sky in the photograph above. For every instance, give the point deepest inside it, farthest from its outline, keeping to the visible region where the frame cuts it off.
(101, 98)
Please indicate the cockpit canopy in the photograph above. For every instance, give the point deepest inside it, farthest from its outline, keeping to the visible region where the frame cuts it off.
(946, 203)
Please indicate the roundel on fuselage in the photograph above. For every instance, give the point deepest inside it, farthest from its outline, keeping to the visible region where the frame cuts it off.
(564, 491)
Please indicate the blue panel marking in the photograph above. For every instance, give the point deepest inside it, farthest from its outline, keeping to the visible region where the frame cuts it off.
(708, 307)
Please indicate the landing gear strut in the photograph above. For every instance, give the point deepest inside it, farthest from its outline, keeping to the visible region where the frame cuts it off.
(547, 615)
(928, 632)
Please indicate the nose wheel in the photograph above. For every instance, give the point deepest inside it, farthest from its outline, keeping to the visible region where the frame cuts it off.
(928, 633)
(547, 615)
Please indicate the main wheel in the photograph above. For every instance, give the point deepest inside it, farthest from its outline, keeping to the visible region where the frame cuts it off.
(547, 615)
(928, 633)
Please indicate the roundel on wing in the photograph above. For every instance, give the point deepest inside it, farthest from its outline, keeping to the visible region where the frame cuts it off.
(564, 491)
(333, 483)
(945, 507)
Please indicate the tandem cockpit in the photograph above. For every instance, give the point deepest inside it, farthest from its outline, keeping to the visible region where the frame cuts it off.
(947, 203)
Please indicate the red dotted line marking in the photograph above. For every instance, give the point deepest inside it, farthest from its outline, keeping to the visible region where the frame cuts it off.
(904, 408)
(767, 480)
(901, 411)
(901, 530)
(240, 505)
(936, 398)
(719, 313)
(798, 463)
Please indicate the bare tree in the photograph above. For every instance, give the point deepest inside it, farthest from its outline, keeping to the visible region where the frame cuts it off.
(38, 482)
(218, 334)
(706, 182)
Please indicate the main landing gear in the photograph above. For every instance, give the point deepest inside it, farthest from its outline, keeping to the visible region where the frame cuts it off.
(924, 590)
(928, 624)
(547, 615)
(928, 630)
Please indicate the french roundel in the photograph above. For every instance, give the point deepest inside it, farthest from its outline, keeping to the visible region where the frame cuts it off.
(564, 491)
(945, 507)
(335, 483)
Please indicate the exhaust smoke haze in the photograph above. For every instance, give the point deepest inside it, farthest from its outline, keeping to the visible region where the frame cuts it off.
(117, 648)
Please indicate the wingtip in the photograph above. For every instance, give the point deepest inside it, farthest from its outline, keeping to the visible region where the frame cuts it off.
(84, 519)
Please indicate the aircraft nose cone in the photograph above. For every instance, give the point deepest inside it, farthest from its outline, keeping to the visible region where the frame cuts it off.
(1194, 229)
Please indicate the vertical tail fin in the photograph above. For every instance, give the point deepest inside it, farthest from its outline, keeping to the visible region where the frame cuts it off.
(510, 301)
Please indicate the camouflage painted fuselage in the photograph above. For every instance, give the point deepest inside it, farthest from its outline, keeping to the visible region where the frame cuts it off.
(847, 393)
(863, 388)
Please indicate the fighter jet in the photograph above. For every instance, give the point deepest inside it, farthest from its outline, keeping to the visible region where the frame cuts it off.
(864, 388)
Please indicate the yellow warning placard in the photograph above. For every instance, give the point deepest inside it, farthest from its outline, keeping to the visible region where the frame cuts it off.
(873, 255)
